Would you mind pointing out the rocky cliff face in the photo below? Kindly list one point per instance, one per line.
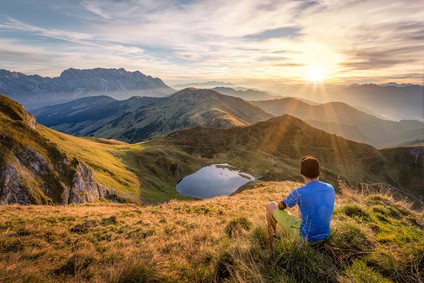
(34, 170)
(10, 187)
(84, 188)
(31, 179)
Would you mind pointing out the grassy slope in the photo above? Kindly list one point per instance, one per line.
(137, 171)
(374, 238)
(150, 170)
(109, 169)
(140, 171)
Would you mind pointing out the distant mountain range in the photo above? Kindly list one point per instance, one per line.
(34, 91)
(391, 101)
(247, 94)
(208, 84)
(138, 118)
(344, 120)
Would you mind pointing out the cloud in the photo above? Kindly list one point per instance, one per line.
(275, 33)
(91, 7)
(231, 40)
(14, 25)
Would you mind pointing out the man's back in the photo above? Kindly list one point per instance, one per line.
(316, 204)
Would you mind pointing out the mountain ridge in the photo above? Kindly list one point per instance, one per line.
(34, 91)
(374, 130)
(392, 102)
(246, 94)
(186, 108)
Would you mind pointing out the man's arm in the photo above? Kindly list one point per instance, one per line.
(291, 200)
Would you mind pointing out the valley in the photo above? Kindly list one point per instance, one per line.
(149, 171)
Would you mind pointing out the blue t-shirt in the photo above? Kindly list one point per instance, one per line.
(316, 204)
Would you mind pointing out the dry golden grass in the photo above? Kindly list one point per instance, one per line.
(179, 235)
(191, 241)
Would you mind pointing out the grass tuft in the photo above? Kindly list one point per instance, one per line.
(304, 264)
(224, 265)
(237, 226)
(84, 227)
(355, 211)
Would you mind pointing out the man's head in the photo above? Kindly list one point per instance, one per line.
(309, 167)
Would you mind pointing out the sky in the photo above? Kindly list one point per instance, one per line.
(244, 42)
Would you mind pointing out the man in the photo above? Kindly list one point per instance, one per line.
(316, 203)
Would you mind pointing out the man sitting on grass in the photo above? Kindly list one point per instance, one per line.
(316, 202)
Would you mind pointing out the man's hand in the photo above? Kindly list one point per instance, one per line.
(281, 205)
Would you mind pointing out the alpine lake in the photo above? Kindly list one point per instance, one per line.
(212, 181)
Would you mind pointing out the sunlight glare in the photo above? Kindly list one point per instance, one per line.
(314, 73)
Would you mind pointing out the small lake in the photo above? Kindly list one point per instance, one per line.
(214, 180)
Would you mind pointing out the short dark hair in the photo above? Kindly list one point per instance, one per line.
(309, 167)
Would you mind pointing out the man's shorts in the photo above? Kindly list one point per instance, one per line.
(287, 221)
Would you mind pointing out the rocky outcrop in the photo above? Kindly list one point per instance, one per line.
(85, 189)
(11, 189)
(34, 170)
(32, 179)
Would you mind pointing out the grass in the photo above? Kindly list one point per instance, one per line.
(104, 158)
(220, 239)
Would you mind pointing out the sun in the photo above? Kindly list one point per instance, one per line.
(314, 73)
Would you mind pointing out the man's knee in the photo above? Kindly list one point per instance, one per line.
(271, 207)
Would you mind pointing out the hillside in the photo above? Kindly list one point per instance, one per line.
(374, 239)
(34, 91)
(85, 115)
(370, 129)
(271, 150)
(36, 166)
(149, 171)
(186, 108)
(347, 131)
